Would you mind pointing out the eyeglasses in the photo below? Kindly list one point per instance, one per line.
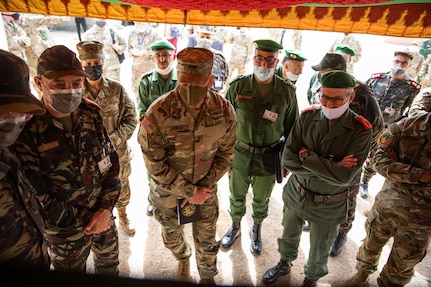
(334, 101)
(164, 56)
(269, 60)
(401, 63)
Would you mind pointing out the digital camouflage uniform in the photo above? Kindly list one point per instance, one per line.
(119, 117)
(402, 209)
(181, 153)
(21, 239)
(415, 68)
(394, 98)
(111, 66)
(139, 48)
(354, 44)
(17, 39)
(255, 128)
(64, 170)
(422, 102)
(320, 174)
(424, 75)
(241, 53)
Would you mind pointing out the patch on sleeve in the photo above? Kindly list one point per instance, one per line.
(365, 123)
(386, 139)
(377, 75)
(148, 126)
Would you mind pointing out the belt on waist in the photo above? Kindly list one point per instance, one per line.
(255, 149)
(318, 198)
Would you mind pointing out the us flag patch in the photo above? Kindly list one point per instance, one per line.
(148, 125)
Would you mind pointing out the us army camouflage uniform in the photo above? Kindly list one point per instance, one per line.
(64, 170)
(422, 103)
(402, 209)
(415, 68)
(17, 39)
(354, 44)
(180, 154)
(394, 98)
(425, 73)
(21, 239)
(242, 52)
(139, 48)
(119, 117)
(111, 66)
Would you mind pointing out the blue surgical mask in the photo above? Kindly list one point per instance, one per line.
(397, 71)
(263, 73)
(94, 72)
(100, 24)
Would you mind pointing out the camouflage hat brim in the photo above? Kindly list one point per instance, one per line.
(58, 74)
(24, 104)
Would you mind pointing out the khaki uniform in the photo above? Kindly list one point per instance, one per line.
(425, 73)
(241, 53)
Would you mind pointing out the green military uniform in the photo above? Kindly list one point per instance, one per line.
(290, 55)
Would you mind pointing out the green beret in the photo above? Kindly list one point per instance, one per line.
(295, 55)
(162, 44)
(338, 79)
(267, 45)
(345, 49)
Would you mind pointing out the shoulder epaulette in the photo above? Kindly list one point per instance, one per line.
(292, 85)
(364, 122)
(309, 109)
(147, 74)
(377, 75)
(238, 78)
(414, 84)
(91, 103)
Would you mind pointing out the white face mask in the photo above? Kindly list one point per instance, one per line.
(335, 113)
(10, 129)
(166, 70)
(292, 76)
(204, 43)
(263, 73)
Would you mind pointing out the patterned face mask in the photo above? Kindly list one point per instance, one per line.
(192, 95)
(65, 101)
(94, 72)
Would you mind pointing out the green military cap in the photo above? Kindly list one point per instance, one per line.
(345, 49)
(162, 44)
(90, 50)
(267, 45)
(338, 79)
(295, 55)
(405, 53)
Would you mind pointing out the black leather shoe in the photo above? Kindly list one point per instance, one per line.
(271, 275)
(256, 242)
(150, 209)
(308, 283)
(231, 235)
(338, 244)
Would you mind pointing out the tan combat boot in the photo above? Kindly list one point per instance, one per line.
(207, 281)
(183, 270)
(124, 221)
(357, 280)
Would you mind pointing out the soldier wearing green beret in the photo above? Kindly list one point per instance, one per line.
(353, 44)
(266, 108)
(324, 152)
(291, 66)
(158, 81)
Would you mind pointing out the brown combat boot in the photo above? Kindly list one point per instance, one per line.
(183, 270)
(357, 280)
(207, 281)
(124, 221)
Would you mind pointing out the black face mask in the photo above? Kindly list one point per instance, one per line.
(94, 72)
(15, 16)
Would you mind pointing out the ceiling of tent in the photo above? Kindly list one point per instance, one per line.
(402, 18)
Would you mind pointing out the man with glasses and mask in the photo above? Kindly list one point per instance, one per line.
(21, 238)
(266, 108)
(16, 37)
(187, 137)
(324, 152)
(395, 92)
(119, 117)
(157, 82)
(68, 157)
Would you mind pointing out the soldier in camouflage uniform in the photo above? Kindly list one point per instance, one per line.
(422, 102)
(402, 208)
(417, 61)
(101, 33)
(187, 138)
(139, 47)
(354, 44)
(17, 39)
(242, 50)
(424, 75)
(68, 157)
(394, 92)
(118, 113)
(291, 66)
(158, 82)
(21, 238)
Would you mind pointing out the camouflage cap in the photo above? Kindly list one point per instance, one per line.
(405, 53)
(338, 79)
(331, 60)
(162, 44)
(194, 64)
(267, 45)
(90, 50)
(295, 55)
(15, 93)
(345, 49)
(206, 29)
(59, 61)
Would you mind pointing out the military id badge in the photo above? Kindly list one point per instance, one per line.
(104, 164)
(188, 213)
(390, 110)
(270, 115)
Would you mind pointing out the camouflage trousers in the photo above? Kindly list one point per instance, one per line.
(125, 171)
(353, 192)
(140, 66)
(204, 233)
(367, 169)
(389, 217)
(69, 251)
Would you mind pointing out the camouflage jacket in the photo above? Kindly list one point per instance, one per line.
(139, 43)
(67, 169)
(422, 103)
(242, 47)
(394, 96)
(403, 154)
(117, 109)
(182, 152)
(425, 73)
(17, 39)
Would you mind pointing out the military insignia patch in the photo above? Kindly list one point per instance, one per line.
(386, 139)
(377, 75)
(148, 125)
(365, 123)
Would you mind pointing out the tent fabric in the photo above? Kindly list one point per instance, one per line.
(390, 18)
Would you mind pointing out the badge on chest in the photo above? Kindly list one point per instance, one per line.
(269, 115)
